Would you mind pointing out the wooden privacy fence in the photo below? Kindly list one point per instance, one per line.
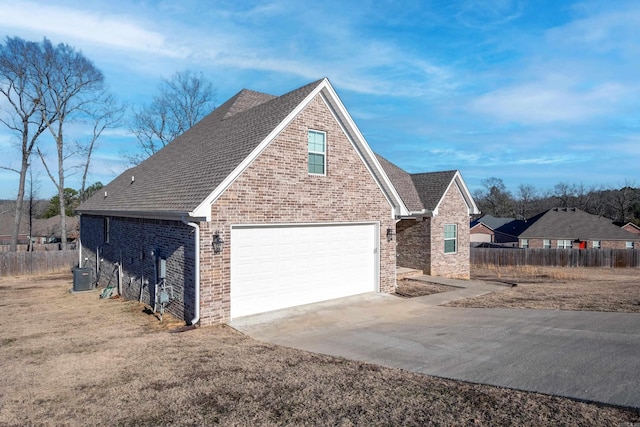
(33, 263)
(555, 257)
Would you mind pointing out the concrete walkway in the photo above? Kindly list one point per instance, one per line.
(582, 355)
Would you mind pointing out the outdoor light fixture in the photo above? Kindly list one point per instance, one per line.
(390, 234)
(217, 243)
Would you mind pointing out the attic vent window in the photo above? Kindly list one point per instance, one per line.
(317, 146)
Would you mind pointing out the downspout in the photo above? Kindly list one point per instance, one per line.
(196, 317)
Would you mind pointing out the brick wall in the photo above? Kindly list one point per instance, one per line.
(130, 243)
(452, 210)
(414, 244)
(421, 242)
(604, 244)
(277, 188)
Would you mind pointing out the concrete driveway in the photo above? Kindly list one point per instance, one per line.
(583, 355)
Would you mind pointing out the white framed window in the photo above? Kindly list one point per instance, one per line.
(317, 148)
(107, 228)
(546, 243)
(629, 245)
(596, 244)
(564, 244)
(450, 238)
(524, 243)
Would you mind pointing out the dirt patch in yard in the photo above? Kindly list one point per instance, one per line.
(409, 288)
(585, 289)
(76, 359)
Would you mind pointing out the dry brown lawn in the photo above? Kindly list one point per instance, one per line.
(74, 359)
(586, 289)
(409, 288)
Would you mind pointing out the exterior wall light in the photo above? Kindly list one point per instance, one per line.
(217, 243)
(390, 234)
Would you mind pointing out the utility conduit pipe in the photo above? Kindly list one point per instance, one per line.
(196, 317)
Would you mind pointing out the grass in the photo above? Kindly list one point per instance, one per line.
(409, 288)
(74, 359)
(586, 289)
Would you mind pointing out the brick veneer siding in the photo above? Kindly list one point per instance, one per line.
(421, 242)
(277, 188)
(452, 210)
(604, 244)
(130, 243)
(414, 244)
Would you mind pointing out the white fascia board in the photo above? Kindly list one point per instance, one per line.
(472, 209)
(334, 103)
(204, 208)
(462, 186)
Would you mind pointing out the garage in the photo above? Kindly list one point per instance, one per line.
(280, 266)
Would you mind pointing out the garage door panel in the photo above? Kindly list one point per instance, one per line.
(279, 267)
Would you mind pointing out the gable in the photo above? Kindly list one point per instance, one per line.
(187, 175)
(277, 186)
(339, 115)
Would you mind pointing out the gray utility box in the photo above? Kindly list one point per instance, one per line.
(82, 280)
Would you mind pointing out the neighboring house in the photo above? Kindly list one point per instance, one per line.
(6, 227)
(266, 203)
(489, 229)
(573, 228)
(434, 237)
(630, 227)
(48, 230)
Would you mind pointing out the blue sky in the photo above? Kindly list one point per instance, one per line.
(533, 92)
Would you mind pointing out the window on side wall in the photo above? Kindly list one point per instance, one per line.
(107, 228)
(564, 244)
(317, 147)
(629, 245)
(450, 238)
(524, 243)
(596, 244)
(546, 243)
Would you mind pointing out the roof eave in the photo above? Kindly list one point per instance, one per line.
(162, 215)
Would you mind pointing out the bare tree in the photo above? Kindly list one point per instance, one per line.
(495, 199)
(622, 201)
(527, 194)
(69, 84)
(182, 101)
(106, 113)
(26, 114)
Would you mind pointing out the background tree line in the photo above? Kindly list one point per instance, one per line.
(618, 204)
(48, 89)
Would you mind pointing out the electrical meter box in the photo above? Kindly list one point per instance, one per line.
(162, 268)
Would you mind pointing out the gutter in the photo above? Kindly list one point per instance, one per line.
(196, 317)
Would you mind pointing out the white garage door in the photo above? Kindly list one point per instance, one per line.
(276, 267)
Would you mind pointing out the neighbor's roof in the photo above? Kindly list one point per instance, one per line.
(573, 223)
(491, 221)
(187, 174)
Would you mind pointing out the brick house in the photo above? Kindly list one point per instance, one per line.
(434, 237)
(266, 203)
(563, 228)
(490, 229)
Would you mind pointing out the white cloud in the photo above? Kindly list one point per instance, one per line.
(534, 103)
(115, 31)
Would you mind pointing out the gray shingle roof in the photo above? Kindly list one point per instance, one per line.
(431, 186)
(572, 223)
(403, 184)
(418, 191)
(181, 175)
(492, 221)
